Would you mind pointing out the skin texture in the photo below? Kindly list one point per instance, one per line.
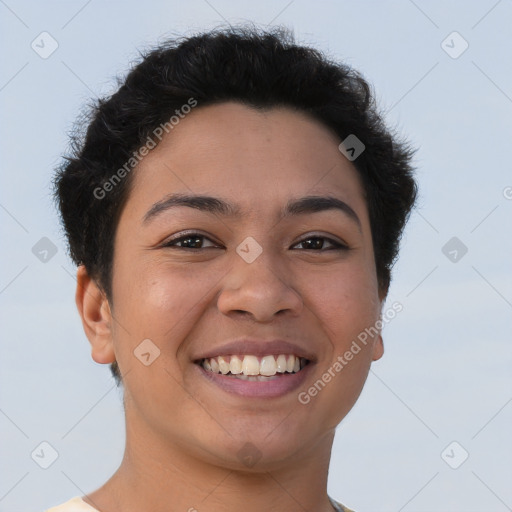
(183, 433)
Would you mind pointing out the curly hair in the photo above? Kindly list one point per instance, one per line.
(259, 68)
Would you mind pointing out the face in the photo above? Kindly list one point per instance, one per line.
(256, 276)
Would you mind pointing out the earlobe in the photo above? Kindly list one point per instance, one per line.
(96, 316)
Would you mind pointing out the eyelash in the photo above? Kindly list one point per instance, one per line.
(171, 243)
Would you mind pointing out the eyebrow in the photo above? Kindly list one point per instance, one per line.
(216, 206)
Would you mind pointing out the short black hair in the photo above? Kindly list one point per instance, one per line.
(258, 68)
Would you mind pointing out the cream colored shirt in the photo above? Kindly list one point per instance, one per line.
(77, 504)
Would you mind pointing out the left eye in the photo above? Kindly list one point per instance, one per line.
(318, 243)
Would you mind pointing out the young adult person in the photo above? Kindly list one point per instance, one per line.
(234, 210)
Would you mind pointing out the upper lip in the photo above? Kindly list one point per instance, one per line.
(257, 348)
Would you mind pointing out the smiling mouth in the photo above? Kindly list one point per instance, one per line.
(254, 368)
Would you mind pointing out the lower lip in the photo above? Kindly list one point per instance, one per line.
(284, 384)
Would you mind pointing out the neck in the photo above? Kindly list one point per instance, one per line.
(159, 476)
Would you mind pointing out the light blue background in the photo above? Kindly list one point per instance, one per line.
(446, 372)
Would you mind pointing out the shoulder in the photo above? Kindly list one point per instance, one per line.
(76, 504)
(339, 507)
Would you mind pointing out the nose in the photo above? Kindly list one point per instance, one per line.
(261, 289)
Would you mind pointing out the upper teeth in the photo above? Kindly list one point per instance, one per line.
(252, 365)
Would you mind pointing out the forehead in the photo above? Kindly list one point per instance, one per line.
(254, 156)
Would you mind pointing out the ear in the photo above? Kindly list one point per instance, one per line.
(378, 348)
(378, 344)
(96, 316)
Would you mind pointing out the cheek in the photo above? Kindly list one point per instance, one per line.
(346, 308)
(151, 295)
(155, 302)
(345, 302)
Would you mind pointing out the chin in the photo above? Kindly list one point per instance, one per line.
(258, 449)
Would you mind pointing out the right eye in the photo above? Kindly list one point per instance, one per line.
(189, 241)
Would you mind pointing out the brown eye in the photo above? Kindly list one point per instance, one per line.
(318, 243)
(190, 241)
